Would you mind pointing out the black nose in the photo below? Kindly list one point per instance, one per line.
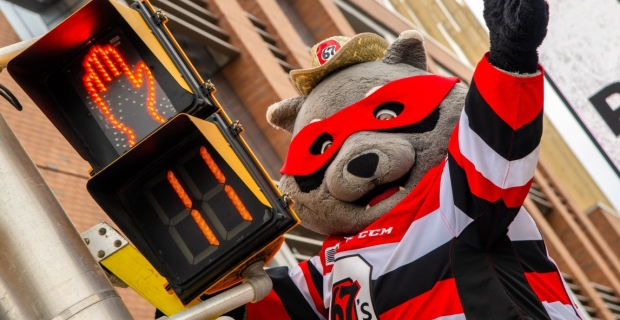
(364, 166)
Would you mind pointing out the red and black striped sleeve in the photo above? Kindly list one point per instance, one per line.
(492, 153)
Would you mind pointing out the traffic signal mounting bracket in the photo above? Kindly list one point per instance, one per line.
(123, 261)
(156, 20)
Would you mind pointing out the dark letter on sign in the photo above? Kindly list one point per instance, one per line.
(611, 117)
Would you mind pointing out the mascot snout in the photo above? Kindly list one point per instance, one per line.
(366, 161)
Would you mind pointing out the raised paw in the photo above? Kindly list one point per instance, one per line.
(516, 30)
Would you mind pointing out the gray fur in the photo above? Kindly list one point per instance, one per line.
(408, 49)
(282, 114)
(329, 209)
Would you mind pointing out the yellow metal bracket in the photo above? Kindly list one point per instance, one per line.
(126, 263)
(127, 267)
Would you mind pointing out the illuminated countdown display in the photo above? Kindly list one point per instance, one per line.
(176, 202)
(120, 91)
(199, 208)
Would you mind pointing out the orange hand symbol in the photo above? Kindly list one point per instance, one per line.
(101, 65)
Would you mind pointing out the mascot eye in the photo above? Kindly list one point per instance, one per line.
(321, 144)
(388, 110)
(326, 146)
(385, 114)
(427, 124)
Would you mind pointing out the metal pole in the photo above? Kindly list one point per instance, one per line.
(9, 52)
(255, 287)
(46, 271)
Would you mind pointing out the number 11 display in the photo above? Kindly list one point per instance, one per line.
(196, 203)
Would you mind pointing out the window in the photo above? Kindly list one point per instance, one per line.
(25, 23)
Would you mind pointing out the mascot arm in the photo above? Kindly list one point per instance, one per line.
(492, 154)
(494, 149)
(297, 294)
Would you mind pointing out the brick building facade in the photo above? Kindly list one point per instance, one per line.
(247, 47)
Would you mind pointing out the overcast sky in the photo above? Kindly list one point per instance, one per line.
(476, 6)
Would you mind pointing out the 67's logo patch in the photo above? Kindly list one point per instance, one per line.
(351, 298)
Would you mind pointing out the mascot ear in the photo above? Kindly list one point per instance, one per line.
(282, 115)
(409, 49)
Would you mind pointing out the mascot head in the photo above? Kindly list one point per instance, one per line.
(370, 123)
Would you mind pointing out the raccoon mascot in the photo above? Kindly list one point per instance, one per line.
(418, 181)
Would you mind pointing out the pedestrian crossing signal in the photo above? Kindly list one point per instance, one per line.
(169, 167)
(108, 76)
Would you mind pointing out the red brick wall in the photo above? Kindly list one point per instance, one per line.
(609, 227)
(278, 26)
(255, 75)
(323, 18)
(580, 253)
(63, 169)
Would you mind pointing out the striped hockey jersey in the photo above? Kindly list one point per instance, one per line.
(459, 246)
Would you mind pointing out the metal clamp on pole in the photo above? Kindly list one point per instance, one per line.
(255, 287)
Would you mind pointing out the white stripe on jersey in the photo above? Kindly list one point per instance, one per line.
(559, 311)
(316, 262)
(327, 281)
(416, 242)
(523, 227)
(460, 316)
(503, 173)
(297, 275)
(456, 219)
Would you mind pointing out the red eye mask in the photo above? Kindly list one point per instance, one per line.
(417, 96)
